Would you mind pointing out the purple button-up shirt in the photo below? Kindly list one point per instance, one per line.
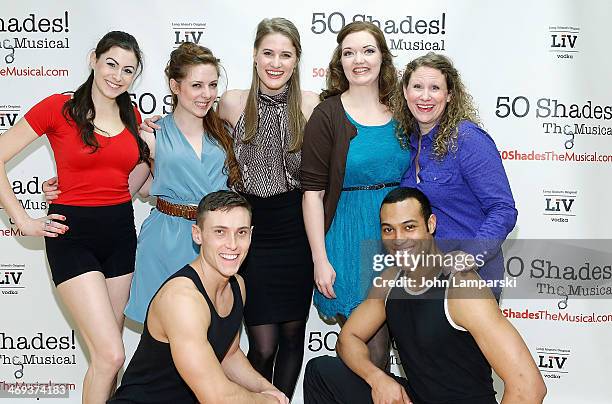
(469, 193)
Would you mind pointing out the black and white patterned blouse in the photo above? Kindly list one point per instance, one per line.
(266, 165)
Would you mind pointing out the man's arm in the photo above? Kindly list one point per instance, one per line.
(363, 323)
(476, 310)
(238, 369)
(184, 318)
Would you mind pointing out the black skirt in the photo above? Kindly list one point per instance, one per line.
(278, 271)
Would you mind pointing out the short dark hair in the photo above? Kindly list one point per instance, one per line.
(402, 193)
(221, 200)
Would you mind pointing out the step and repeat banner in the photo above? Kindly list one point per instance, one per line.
(539, 73)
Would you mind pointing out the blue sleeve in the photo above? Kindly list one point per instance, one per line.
(483, 171)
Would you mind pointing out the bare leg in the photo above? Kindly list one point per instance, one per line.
(89, 302)
(119, 292)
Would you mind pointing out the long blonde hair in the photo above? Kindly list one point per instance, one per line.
(459, 108)
(294, 103)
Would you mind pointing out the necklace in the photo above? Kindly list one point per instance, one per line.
(100, 130)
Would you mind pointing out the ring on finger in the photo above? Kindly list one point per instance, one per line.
(47, 222)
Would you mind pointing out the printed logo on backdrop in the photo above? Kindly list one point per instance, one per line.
(563, 41)
(553, 362)
(21, 356)
(11, 278)
(559, 205)
(324, 343)
(29, 193)
(148, 103)
(8, 116)
(559, 269)
(406, 33)
(567, 120)
(32, 32)
(187, 32)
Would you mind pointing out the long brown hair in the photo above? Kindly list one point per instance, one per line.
(181, 60)
(81, 110)
(337, 82)
(460, 107)
(294, 103)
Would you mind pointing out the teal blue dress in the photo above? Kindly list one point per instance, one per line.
(374, 157)
(164, 243)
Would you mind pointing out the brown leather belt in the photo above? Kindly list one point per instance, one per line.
(189, 212)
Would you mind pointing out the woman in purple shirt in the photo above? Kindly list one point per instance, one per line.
(455, 162)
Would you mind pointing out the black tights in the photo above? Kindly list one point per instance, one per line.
(277, 351)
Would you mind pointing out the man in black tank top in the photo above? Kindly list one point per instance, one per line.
(448, 335)
(189, 350)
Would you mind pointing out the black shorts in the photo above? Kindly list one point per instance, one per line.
(99, 238)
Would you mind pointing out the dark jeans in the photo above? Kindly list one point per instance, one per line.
(328, 380)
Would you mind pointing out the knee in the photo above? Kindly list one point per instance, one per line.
(109, 359)
(262, 352)
(318, 368)
(293, 344)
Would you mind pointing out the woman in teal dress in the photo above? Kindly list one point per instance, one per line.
(351, 158)
(192, 156)
(374, 157)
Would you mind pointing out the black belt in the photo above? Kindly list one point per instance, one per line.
(372, 187)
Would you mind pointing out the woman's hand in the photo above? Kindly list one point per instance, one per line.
(51, 189)
(325, 276)
(149, 124)
(45, 226)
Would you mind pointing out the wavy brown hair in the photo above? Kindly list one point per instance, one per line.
(297, 121)
(181, 60)
(460, 107)
(336, 81)
(81, 110)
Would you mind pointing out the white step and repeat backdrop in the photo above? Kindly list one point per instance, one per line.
(539, 72)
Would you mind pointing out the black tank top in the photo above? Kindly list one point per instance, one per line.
(442, 364)
(151, 376)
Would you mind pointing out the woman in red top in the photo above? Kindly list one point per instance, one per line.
(89, 233)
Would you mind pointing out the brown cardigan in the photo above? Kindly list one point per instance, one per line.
(327, 136)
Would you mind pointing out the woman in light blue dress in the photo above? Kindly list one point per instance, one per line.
(190, 160)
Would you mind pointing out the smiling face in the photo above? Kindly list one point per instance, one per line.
(114, 72)
(403, 227)
(275, 59)
(427, 95)
(197, 91)
(224, 237)
(361, 59)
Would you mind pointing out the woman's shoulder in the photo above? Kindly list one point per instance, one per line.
(234, 98)
(467, 126)
(56, 100)
(330, 105)
(231, 105)
(310, 100)
(471, 134)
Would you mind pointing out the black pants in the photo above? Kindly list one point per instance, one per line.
(328, 380)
